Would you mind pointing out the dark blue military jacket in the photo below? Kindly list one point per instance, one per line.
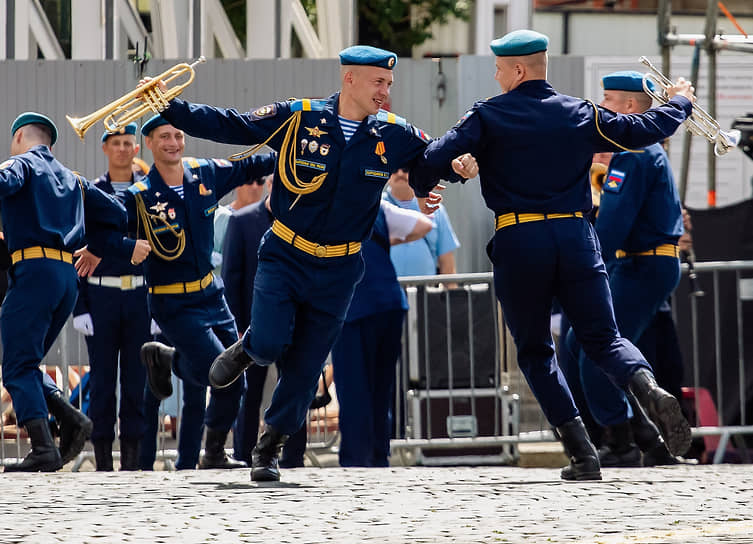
(640, 208)
(534, 146)
(44, 204)
(345, 205)
(205, 182)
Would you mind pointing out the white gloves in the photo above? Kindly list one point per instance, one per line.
(154, 329)
(83, 324)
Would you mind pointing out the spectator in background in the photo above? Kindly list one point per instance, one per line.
(432, 254)
(366, 352)
(244, 233)
(245, 195)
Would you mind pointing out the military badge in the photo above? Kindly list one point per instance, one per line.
(323, 121)
(380, 150)
(162, 215)
(304, 143)
(265, 111)
(313, 146)
(203, 191)
(323, 150)
(171, 213)
(420, 134)
(159, 207)
(391, 62)
(615, 180)
(315, 132)
(463, 119)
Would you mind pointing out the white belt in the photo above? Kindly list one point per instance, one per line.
(124, 283)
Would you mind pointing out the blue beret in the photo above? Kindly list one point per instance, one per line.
(519, 43)
(151, 124)
(130, 128)
(34, 118)
(365, 55)
(626, 80)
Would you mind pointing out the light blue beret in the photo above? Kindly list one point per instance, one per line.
(34, 118)
(365, 55)
(519, 43)
(626, 80)
(130, 128)
(152, 123)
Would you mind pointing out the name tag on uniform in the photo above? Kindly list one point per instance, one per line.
(165, 228)
(210, 210)
(376, 174)
(311, 164)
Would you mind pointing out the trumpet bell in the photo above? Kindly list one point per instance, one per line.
(726, 141)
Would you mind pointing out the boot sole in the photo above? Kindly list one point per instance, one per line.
(150, 359)
(672, 424)
(583, 476)
(79, 441)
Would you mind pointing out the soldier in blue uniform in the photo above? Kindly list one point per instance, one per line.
(335, 156)
(46, 210)
(639, 224)
(174, 207)
(111, 312)
(543, 246)
(366, 352)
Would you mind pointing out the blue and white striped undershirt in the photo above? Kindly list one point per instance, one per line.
(178, 189)
(120, 186)
(349, 127)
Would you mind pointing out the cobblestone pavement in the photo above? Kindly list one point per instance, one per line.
(413, 505)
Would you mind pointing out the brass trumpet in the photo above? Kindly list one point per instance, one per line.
(140, 101)
(700, 122)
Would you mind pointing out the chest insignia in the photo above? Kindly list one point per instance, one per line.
(323, 150)
(313, 146)
(203, 191)
(373, 131)
(159, 207)
(315, 132)
(323, 121)
(171, 213)
(304, 143)
(380, 150)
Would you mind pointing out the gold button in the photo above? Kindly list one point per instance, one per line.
(320, 251)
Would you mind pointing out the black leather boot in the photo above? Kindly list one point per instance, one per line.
(129, 454)
(663, 409)
(265, 455)
(103, 455)
(619, 449)
(158, 360)
(75, 427)
(214, 452)
(44, 455)
(584, 460)
(229, 366)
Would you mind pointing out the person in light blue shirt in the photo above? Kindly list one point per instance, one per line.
(433, 254)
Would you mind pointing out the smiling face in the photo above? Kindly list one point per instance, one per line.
(166, 144)
(120, 150)
(367, 88)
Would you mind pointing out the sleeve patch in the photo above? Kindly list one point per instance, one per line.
(463, 119)
(421, 135)
(265, 111)
(615, 181)
(7, 164)
(224, 163)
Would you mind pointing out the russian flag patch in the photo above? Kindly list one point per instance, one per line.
(614, 182)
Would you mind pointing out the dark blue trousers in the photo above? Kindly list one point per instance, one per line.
(364, 358)
(537, 261)
(121, 326)
(297, 312)
(639, 285)
(246, 426)
(200, 326)
(40, 298)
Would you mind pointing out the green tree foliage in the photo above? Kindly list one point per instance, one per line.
(388, 23)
